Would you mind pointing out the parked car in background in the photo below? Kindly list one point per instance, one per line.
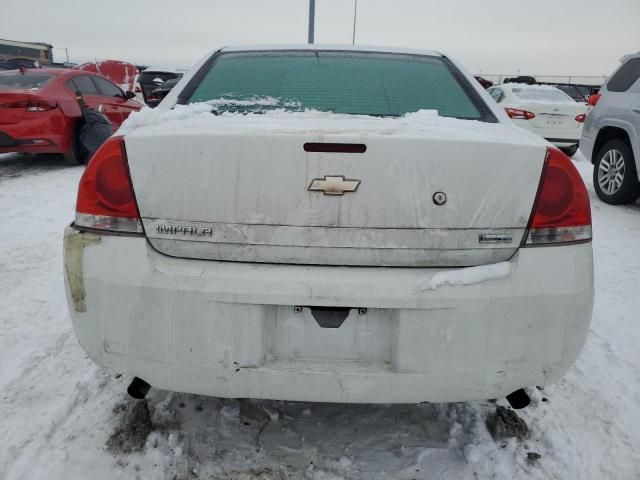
(156, 96)
(16, 63)
(580, 93)
(611, 135)
(524, 79)
(121, 73)
(40, 114)
(152, 78)
(544, 110)
(297, 254)
(483, 81)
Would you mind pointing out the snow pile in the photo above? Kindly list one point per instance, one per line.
(251, 101)
(468, 276)
(541, 94)
(150, 117)
(279, 120)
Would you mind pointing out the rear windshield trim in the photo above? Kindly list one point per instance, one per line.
(486, 115)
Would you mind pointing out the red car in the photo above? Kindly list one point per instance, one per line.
(40, 114)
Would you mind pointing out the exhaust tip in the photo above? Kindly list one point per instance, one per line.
(138, 388)
(518, 399)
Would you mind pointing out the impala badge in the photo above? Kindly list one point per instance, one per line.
(333, 185)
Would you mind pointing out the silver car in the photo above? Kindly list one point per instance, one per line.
(611, 134)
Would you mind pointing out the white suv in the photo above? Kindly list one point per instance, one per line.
(611, 134)
(298, 223)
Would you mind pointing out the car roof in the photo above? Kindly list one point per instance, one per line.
(331, 47)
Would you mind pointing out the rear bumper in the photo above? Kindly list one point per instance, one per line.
(229, 329)
(563, 142)
(6, 140)
(50, 133)
(560, 137)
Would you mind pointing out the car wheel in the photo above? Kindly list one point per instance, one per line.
(570, 151)
(614, 174)
(75, 155)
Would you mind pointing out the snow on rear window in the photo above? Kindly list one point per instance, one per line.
(542, 93)
(17, 80)
(354, 83)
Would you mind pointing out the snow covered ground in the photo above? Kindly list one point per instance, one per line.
(63, 418)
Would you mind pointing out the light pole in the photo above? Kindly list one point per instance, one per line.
(312, 17)
(355, 15)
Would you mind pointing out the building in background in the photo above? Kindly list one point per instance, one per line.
(34, 51)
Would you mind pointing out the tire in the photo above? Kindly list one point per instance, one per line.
(75, 155)
(570, 151)
(615, 178)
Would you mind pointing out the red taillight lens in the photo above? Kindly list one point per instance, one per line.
(561, 213)
(32, 105)
(41, 105)
(580, 118)
(520, 114)
(593, 99)
(105, 196)
(19, 104)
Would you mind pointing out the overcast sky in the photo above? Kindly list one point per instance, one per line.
(564, 37)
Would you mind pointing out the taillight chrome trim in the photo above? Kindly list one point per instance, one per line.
(114, 224)
(549, 237)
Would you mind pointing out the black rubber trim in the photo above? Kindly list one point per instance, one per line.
(474, 96)
(563, 140)
(6, 140)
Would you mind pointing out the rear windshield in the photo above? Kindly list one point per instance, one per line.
(551, 95)
(15, 79)
(340, 82)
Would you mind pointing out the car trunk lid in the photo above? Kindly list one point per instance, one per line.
(249, 190)
(556, 115)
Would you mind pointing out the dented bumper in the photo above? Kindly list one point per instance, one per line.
(232, 329)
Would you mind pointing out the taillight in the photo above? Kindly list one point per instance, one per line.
(580, 118)
(561, 212)
(20, 104)
(517, 113)
(32, 105)
(105, 196)
(593, 99)
(41, 105)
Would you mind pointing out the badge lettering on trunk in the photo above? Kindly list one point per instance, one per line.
(186, 230)
(333, 185)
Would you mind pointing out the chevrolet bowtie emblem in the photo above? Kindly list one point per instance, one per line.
(333, 185)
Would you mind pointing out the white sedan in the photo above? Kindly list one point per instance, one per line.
(332, 224)
(545, 110)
